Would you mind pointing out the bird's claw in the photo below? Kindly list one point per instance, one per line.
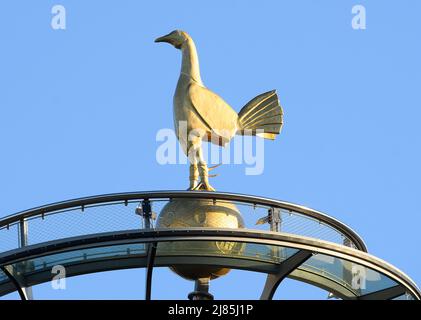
(207, 187)
(201, 186)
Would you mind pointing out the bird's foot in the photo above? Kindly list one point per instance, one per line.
(202, 171)
(207, 187)
(193, 184)
(202, 187)
(204, 178)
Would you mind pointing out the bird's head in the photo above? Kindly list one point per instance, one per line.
(177, 38)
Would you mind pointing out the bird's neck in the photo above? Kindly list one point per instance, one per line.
(190, 61)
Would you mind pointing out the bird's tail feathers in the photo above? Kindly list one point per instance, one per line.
(261, 116)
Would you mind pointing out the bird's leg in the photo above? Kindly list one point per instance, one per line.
(194, 176)
(194, 170)
(198, 165)
(204, 171)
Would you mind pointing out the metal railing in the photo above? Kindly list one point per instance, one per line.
(116, 212)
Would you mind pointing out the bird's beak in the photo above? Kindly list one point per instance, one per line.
(166, 38)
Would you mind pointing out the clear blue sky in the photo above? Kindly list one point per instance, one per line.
(80, 108)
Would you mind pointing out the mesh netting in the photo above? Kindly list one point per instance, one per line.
(120, 216)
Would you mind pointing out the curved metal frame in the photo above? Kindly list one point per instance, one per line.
(149, 269)
(306, 246)
(124, 197)
(204, 234)
(16, 284)
(285, 268)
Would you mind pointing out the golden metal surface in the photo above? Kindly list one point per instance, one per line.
(183, 213)
(208, 117)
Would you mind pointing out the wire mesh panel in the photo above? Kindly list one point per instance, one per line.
(296, 223)
(89, 220)
(258, 217)
(192, 209)
(9, 237)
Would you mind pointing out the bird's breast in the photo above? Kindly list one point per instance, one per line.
(183, 111)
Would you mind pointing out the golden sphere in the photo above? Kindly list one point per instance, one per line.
(186, 213)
